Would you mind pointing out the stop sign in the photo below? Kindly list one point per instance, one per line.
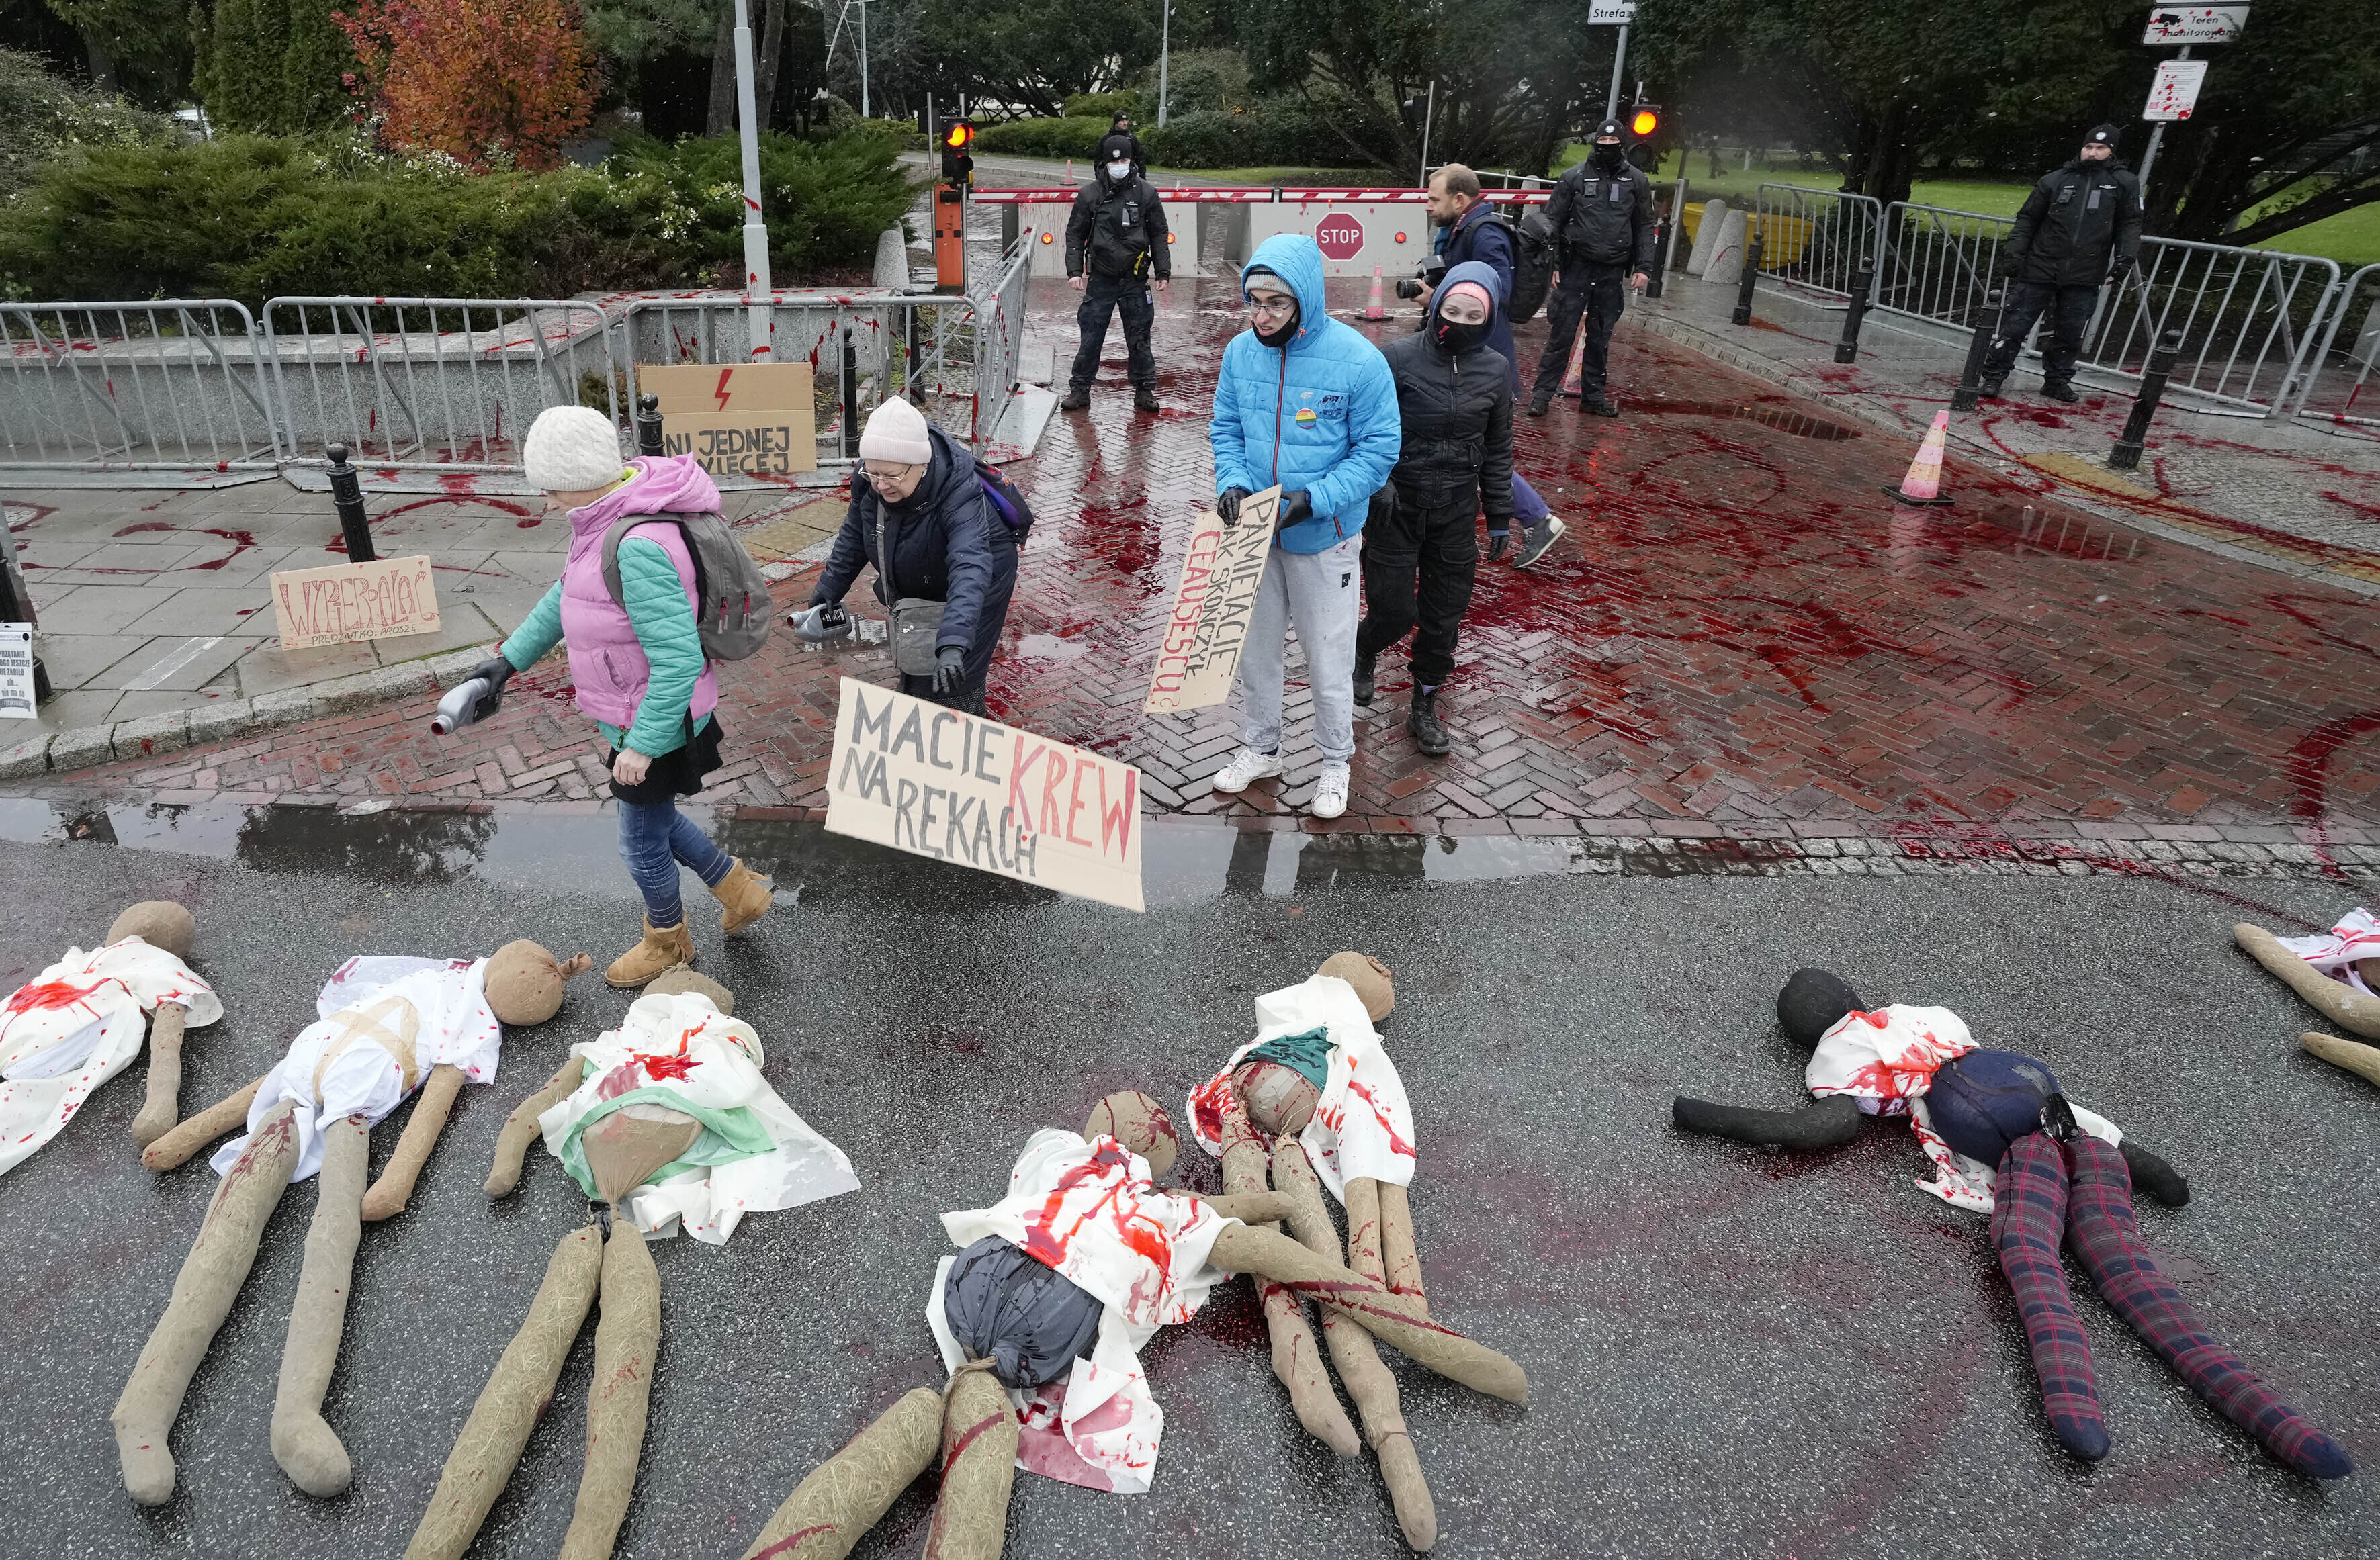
(1338, 235)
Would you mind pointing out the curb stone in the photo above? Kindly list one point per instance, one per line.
(87, 747)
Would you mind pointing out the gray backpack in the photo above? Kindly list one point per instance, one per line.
(731, 599)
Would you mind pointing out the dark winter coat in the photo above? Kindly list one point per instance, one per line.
(1118, 226)
(945, 546)
(1479, 235)
(1455, 411)
(2077, 220)
(1603, 216)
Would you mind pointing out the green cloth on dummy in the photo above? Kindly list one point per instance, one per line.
(1307, 1053)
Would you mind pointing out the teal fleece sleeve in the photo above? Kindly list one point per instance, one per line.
(664, 619)
(539, 632)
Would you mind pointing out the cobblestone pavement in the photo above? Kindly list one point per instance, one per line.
(1743, 639)
(2296, 497)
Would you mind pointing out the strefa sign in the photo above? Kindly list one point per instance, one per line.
(935, 782)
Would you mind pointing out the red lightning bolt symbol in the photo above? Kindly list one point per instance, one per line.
(724, 374)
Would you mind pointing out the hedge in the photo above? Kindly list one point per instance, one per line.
(1264, 136)
(1075, 137)
(250, 217)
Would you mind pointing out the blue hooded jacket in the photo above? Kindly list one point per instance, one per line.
(1319, 413)
(1479, 238)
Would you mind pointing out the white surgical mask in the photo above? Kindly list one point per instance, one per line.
(1118, 170)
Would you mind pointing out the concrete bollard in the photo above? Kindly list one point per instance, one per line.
(1706, 236)
(1724, 266)
(2126, 455)
(892, 260)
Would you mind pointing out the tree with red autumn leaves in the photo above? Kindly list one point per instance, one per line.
(488, 83)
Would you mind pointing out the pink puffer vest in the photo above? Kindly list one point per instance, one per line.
(606, 662)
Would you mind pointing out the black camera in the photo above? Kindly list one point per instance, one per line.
(1409, 288)
(1433, 271)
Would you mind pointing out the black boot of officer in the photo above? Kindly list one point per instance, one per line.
(2078, 230)
(1602, 216)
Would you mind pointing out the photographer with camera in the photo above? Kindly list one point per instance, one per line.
(1115, 240)
(1602, 217)
(1468, 229)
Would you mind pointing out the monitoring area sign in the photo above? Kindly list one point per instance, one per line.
(1611, 13)
(2193, 26)
(2175, 93)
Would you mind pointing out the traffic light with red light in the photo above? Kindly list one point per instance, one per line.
(957, 167)
(1644, 121)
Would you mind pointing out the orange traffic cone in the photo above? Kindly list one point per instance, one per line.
(1375, 309)
(1070, 170)
(1923, 485)
(1575, 377)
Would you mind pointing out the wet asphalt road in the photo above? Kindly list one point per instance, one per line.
(1731, 1353)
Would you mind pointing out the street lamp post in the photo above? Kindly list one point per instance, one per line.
(761, 317)
(1164, 59)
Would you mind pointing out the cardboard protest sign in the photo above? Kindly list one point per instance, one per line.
(1210, 622)
(738, 419)
(934, 782)
(347, 603)
(17, 671)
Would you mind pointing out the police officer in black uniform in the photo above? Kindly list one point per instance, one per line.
(2080, 228)
(1115, 242)
(1602, 216)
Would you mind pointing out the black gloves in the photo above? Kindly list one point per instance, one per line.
(1227, 505)
(1496, 542)
(821, 620)
(950, 669)
(498, 671)
(2123, 264)
(1294, 506)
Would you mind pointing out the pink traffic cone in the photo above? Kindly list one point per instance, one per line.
(1374, 308)
(1070, 170)
(1575, 377)
(1924, 483)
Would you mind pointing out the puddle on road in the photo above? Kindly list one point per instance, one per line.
(525, 845)
(528, 846)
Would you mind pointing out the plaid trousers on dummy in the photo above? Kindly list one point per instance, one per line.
(2084, 1190)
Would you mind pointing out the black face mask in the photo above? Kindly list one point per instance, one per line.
(1460, 338)
(1606, 156)
(1280, 334)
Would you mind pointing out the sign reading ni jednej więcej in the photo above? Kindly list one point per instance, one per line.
(1208, 626)
(16, 670)
(935, 782)
(737, 419)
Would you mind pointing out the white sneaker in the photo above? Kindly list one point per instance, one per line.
(1330, 791)
(1246, 767)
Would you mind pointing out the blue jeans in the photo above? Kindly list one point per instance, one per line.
(1527, 507)
(655, 839)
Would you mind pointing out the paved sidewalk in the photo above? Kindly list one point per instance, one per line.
(1743, 638)
(157, 606)
(2301, 499)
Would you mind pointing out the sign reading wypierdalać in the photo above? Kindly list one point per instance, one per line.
(1210, 622)
(348, 602)
(737, 419)
(960, 789)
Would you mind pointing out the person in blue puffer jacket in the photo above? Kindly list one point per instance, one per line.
(1305, 402)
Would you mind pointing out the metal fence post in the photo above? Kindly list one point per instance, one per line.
(2126, 455)
(347, 493)
(850, 398)
(1970, 392)
(649, 424)
(912, 381)
(1863, 284)
(1751, 277)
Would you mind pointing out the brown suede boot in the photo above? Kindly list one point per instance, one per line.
(663, 948)
(744, 896)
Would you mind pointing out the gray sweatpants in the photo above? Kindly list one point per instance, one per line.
(1322, 594)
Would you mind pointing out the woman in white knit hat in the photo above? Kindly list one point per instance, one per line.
(917, 490)
(638, 667)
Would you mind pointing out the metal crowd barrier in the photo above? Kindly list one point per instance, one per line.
(445, 385)
(172, 384)
(1815, 239)
(2250, 319)
(449, 386)
(2338, 388)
